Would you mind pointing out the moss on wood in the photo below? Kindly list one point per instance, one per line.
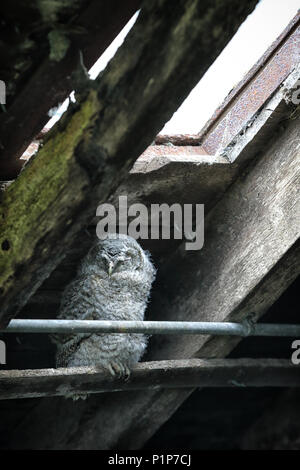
(30, 206)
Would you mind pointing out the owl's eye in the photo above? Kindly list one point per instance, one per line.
(130, 254)
(104, 260)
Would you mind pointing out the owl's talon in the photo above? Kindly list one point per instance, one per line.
(127, 373)
(76, 396)
(80, 396)
(117, 368)
(123, 370)
(111, 370)
(120, 369)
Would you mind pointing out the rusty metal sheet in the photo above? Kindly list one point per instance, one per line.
(156, 151)
(253, 91)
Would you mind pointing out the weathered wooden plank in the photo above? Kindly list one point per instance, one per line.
(151, 376)
(87, 155)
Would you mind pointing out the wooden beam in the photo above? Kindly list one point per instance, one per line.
(150, 376)
(86, 156)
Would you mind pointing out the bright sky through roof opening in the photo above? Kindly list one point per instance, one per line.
(253, 38)
(97, 67)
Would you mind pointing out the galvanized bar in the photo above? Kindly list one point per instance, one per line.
(246, 328)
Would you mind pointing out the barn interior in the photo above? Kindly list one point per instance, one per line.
(243, 165)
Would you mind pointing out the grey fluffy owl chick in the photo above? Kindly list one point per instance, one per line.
(113, 282)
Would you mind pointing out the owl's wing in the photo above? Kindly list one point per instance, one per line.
(76, 304)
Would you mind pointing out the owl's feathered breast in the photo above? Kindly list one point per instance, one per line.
(95, 297)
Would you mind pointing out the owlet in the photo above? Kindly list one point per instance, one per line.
(113, 282)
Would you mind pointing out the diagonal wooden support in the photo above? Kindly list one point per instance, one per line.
(88, 154)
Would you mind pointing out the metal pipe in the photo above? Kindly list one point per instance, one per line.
(247, 328)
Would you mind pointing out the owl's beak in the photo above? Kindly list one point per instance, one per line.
(111, 266)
